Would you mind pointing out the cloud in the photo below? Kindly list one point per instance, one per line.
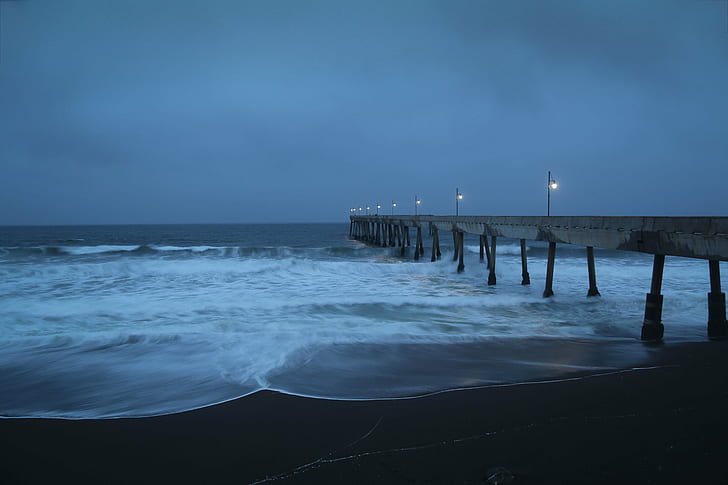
(334, 102)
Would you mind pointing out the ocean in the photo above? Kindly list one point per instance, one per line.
(121, 321)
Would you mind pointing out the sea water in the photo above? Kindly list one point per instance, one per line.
(116, 321)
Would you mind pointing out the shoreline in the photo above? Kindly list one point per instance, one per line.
(662, 424)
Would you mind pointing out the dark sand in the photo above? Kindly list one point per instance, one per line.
(664, 425)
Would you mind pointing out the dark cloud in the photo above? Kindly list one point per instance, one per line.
(182, 111)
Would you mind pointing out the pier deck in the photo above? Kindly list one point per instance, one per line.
(690, 237)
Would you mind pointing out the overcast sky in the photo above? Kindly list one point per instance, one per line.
(155, 111)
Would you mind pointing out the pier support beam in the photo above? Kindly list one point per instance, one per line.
(487, 250)
(717, 325)
(491, 259)
(593, 291)
(455, 245)
(406, 234)
(548, 290)
(435, 245)
(461, 263)
(525, 277)
(402, 230)
(418, 243)
(419, 236)
(652, 327)
(484, 249)
(436, 254)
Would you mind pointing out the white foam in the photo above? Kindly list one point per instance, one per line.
(194, 249)
(81, 250)
(242, 319)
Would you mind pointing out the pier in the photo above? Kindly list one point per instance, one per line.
(688, 237)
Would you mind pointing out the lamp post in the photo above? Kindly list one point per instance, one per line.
(458, 198)
(417, 203)
(368, 207)
(379, 206)
(551, 185)
(394, 204)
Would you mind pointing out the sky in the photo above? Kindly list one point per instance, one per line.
(234, 111)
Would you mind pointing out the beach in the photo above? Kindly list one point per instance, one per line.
(664, 423)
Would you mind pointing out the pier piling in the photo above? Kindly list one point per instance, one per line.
(433, 258)
(652, 327)
(593, 291)
(491, 259)
(717, 326)
(402, 230)
(487, 250)
(460, 242)
(436, 254)
(548, 290)
(419, 237)
(525, 277)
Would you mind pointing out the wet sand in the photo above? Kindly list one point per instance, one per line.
(667, 424)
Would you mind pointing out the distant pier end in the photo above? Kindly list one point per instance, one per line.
(687, 237)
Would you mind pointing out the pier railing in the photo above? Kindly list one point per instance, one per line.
(689, 237)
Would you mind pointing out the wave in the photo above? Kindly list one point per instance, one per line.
(337, 252)
(133, 376)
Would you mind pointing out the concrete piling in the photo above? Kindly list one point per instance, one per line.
(419, 251)
(461, 263)
(652, 327)
(486, 247)
(436, 254)
(717, 325)
(491, 259)
(455, 245)
(403, 230)
(593, 291)
(548, 290)
(525, 277)
(433, 258)
(482, 252)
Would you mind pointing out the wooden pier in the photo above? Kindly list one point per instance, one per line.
(688, 237)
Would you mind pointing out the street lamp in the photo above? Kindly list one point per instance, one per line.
(417, 203)
(394, 204)
(458, 198)
(379, 206)
(368, 207)
(551, 185)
